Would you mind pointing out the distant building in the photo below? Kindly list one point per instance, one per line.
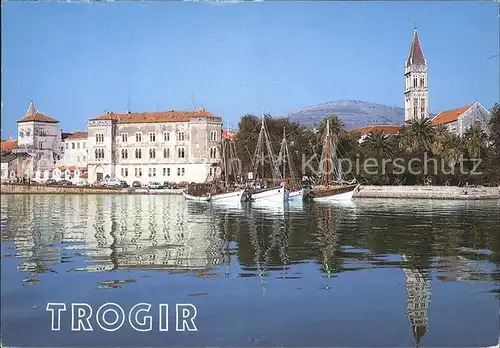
(416, 92)
(387, 129)
(39, 142)
(171, 146)
(459, 120)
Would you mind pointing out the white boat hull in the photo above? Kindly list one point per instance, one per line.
(341, 197)
(296, 196)
(229, 197)
(275, 195)
(196, 198)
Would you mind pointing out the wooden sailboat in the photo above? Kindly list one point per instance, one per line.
(219, 189)
(333, 186)
(275, 192)
(295, 192)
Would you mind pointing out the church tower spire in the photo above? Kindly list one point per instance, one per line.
(416, 92)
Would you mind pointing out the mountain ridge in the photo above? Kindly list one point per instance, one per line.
(352, 113)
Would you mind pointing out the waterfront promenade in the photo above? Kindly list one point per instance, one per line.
(403, 192)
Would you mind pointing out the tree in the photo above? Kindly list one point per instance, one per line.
(417, 135)
(475, 141)
(380, 143)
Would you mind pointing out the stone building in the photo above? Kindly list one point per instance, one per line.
(459, 120)
(416, 93)
(75, 150)
(39, 136)
(386, 129)
(172, 146)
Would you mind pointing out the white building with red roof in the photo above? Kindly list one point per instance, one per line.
(39, 138)
(459, 120)
(174, 146)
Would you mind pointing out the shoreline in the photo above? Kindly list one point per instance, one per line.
(388, 192)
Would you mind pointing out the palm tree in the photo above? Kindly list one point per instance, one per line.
(440, 135)
(380, 143)
(452, 149)
(417, 135)
(475, 141)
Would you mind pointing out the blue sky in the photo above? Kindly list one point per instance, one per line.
(76, 60)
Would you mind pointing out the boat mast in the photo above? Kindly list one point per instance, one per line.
(327, 156)
(224, 162)
(262, 154)
(283, 157)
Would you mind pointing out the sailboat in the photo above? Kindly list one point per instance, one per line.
(296, 193)
(219, 189)
(333, 186)
(276, 193)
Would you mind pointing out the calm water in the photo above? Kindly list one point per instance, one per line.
(374, 273)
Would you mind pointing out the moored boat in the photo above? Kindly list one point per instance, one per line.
(333, 186)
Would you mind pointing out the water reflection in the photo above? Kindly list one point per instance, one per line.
(425, 243)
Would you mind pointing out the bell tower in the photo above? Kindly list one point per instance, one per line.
(416, 92)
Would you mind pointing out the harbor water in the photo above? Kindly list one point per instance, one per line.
(370, 273)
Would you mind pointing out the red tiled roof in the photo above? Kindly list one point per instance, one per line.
(78, 135)
(8, 145)
(228, 134)
(64, 136)
(39, 117)
(416, 56)
(450, 115)
(387, 129)
(155, 117)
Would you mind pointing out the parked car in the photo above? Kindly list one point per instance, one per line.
(50, 182)
(155, 185)
(136, 184)
(81, 182)
(112, 183)
(123, 184)
(64, 183)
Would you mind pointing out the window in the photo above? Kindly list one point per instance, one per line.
(126, 172)
(122, 171)
(84, 145)
(183, 171)
(137, 172)
(168, 171)
(84, 158)
(152, 137)
(180, 136)
(99, 138)
(138, 137)
(414, 82)
(78, 158)
(166, 153)
(140, 171)
(164, 171)
(124, 137)
(415, 107)
(124, 153)
(67, 146)
(180, 152)
(154, 171)
(422, 107)
(178, 171)
(40, 145)
(213, 136)
(421, 82)
(166, 136)
(138, 153)
(78, 145)
(73, 146)
(213, 152)
(99, 154)
(152, 153)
